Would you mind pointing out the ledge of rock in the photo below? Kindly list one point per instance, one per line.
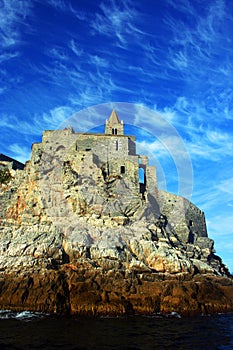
(85, 290)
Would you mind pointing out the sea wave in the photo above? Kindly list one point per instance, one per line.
(22, 315)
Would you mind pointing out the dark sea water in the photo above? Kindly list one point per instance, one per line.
(36, 331)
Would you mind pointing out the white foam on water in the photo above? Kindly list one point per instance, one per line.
(23, 315)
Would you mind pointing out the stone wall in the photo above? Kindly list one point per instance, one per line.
(183, 216)
(113, 154)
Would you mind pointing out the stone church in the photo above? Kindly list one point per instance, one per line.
(104, 178)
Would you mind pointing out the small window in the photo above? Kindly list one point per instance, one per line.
(122, 169)
(88, 149)
(116, 145)
(114, 131)
(141, 175)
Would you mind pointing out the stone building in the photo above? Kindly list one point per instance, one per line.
(116, 154)
(103, 173)
(113, 152)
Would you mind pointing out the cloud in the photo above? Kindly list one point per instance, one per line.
(12, 15)
(226, 185)
(180, 60)
(6, 56)
(211, 145)
(198, 49)
(194, 121)
(22, 126)
(98, 61)
(205, 23)
(65, 6)
(55, 117)
(75, 48)
(116, 20)
(47, 121)
(20, 152)
(58, 54)
(58, 4)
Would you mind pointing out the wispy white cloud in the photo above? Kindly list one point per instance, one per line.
(6, 56)
(38, 123)
(66, 7)
(58, 54)
(12, 15)
(20, 152)
(59, 5)
(22, 126)
(75, 48)
(55, 118)
(116, 20)
(98, 61)
(204, 28)
(226, 185)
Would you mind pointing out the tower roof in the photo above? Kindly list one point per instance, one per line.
(114, 119)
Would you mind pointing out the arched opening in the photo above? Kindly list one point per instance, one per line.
(116, 145)
(114, 131)
(141, 175)
(142, 181)
(122, 169)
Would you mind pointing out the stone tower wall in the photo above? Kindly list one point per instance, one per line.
(187, 219)
(114, 128)
(106, 147)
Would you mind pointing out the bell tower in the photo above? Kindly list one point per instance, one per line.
(113, 125)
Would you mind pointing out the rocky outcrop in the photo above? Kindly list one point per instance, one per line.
(74, 239)
(86, 290)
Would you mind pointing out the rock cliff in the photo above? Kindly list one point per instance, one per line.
(76, 238)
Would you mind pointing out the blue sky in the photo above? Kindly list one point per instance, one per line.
(174, 57)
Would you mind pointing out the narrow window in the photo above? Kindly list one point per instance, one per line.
(141, 175)
(116, 145)
(113, 131)
(122, 169)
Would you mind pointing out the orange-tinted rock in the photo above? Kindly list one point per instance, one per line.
(70, 291)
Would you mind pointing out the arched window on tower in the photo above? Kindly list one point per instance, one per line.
(114, 131)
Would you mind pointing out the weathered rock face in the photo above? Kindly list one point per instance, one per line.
(74, 238)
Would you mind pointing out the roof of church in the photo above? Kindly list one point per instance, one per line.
(114, 119)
